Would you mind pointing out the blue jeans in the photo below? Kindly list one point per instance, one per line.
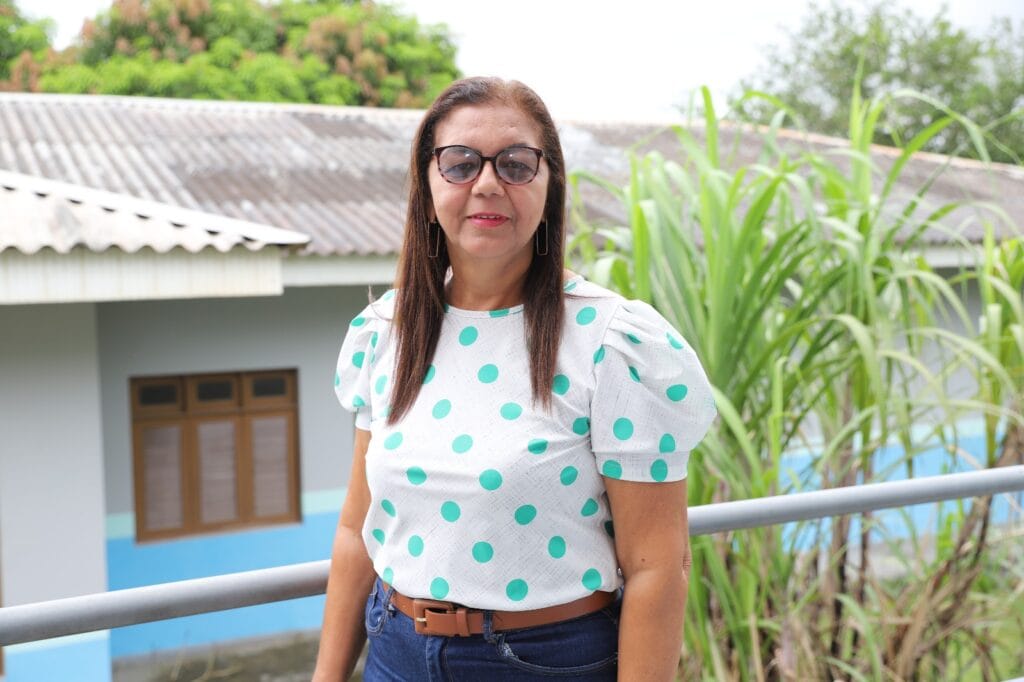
(584, 648)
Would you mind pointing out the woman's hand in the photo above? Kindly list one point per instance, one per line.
(653, 550)
(342, 635)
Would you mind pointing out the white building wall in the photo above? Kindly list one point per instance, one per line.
(302, 329)
(52, 534)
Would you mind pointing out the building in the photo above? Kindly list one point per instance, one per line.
(175, 280)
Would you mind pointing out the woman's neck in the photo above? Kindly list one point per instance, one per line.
(481, 288)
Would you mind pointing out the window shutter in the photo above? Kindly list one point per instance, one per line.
(161, 458)
(216, 442)
(271, 462)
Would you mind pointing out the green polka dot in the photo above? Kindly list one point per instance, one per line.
(373, 340)
(373, 358)
(442, 408)
(450, 511)
(570, 286)
(388, 507)
(388, 295)
(592, 579)
(581, 426)
(568, 475)
(612, 469)
(561, 384)
(537, 446)
(378, 535)
(462, 443)
(483, 552)
(468, 336)
(511, 411)
(415, 545)
(337, 379)
(634, 374)
(499, 313)
(659, 470)
(431, 371)
(667, 444)
(358, 321)
(676, 392)
(589, 507)
(358, 358)
(622, 428)
(525, 514)
(416, 475)
(556, 547)
(633, 338)
(393, 441)
(673, 341)
(586, 315)
(609, 528)
(447, 307)
(381, 383)
(490, 480)
(386, 411)
(358, 401)
(388, 575)
(599, 355)
(438, 588)
(487, 374)
(516, 590)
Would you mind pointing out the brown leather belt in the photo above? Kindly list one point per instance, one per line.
(433, 617)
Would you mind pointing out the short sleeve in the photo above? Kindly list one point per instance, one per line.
(652, 403)
(352, 375)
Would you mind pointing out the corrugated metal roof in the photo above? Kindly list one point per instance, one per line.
(40, 213)
(339, 173)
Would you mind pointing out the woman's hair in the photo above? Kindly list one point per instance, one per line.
(420, 304)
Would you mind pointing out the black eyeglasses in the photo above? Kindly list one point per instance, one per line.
(516, 165)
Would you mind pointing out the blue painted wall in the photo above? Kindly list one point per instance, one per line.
(134, 565)
(81, 658)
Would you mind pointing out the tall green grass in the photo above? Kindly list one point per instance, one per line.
(803, 284)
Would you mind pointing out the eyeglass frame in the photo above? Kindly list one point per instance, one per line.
(483, 161)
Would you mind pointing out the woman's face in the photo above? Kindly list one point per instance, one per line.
(488, 219)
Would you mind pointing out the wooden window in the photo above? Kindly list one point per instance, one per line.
(214, 452)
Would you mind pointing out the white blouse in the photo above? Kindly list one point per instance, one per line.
(482, 498)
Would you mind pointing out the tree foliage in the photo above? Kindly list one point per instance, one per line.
(318, 51)
(22, 43)
(981, 77)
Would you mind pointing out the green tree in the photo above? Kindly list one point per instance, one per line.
(22, 44)
(814, 72)
(318, 51)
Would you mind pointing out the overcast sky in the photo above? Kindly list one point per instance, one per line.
(635, 60)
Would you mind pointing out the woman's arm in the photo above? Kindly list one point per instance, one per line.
(342, 635)
(653, 549)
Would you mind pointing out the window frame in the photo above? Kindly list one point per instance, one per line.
(188, 414)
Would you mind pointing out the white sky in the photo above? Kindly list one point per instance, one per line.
(634, 60)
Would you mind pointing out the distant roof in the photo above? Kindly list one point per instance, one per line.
(40, 213)
(338, 174)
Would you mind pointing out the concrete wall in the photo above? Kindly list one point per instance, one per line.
(52, 536)
(302, 329)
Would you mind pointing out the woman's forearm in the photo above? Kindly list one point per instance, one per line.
(651, 625)
(343, 632)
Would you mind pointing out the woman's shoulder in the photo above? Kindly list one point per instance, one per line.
(585, 299)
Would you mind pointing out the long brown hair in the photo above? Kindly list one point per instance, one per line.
(419, 310)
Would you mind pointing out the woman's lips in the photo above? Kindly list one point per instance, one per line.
(488, 219)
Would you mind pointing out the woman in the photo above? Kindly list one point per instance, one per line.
(506, 410)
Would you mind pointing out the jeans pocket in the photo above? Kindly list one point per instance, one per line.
(376, 611)
(574, 647)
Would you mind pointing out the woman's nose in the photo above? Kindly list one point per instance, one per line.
(487, 182)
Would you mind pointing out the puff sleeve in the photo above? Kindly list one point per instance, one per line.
(352, 375)
(652, 403)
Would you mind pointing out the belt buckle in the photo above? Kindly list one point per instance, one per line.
(419, 611)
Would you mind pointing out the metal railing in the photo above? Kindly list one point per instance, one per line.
(60, 617)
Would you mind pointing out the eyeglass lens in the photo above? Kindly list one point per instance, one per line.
(514, 165)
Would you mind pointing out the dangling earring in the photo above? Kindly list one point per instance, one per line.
(541, 244)
(436, 226)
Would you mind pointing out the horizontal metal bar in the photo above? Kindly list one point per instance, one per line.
(60, 617)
